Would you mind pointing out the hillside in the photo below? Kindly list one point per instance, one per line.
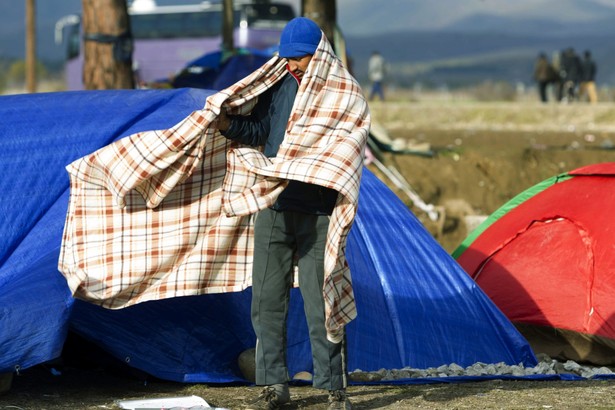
(458, 58)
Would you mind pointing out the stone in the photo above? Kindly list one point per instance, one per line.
(247, 364)
(6, 380)
(304, 376)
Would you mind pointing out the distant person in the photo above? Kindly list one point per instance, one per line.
(587, 87)
(558, 82)
(544, 74)
(571, 73)
(376, 70)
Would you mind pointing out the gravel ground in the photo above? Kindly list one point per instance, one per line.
(90, 389)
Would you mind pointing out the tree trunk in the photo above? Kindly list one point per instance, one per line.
(31, 46)
(107, 45)
(228, 44)
(324, 13)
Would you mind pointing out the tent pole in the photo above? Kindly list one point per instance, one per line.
(393, 174)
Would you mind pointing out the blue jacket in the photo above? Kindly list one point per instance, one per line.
(266, 125)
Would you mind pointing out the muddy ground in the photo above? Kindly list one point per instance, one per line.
(484, 154)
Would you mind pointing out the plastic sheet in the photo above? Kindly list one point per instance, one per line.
(417, 307)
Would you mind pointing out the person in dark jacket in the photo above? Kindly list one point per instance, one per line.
(587, 88)
(544, 74)
(295, 226)
(571, 73)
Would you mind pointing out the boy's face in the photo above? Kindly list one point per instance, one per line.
(298, 65)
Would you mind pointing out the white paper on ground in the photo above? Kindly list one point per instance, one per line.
(166, 403)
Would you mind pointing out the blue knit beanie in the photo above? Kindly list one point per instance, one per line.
(300, 37)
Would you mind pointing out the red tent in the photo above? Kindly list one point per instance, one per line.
(547, 260)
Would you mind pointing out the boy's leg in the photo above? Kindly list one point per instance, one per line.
(329, 358)
(271, 282)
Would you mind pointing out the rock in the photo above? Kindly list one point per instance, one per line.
(546, 365)
(473, 221)
(543, 357)
(560, 368)
(247, 364)
(591, 372)
(518, 371)
(458, 208)
(365, 377)
(304, 376)
(6, 380)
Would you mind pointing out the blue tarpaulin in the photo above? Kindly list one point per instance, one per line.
(217, 71)
(416, 306)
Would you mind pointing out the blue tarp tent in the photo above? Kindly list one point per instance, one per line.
(216, 70)
(416, 306)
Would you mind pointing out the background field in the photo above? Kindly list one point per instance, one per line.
(487, 153)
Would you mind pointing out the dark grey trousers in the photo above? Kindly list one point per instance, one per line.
(278, 236)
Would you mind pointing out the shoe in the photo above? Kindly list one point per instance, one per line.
(272, 397)
(338, 400)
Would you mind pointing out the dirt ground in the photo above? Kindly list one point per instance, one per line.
(477, 171)
(485, 154)
(101, 388)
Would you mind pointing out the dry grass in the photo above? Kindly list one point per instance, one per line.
(465, 115)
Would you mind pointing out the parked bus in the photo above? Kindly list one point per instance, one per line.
(167, 37)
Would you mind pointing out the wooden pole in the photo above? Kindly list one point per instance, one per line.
(107, 45)
(324, 13)
(30, 46)
(228, 44)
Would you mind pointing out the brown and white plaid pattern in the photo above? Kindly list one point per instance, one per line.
(168, 213)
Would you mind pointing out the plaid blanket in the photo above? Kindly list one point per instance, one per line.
(169, 213)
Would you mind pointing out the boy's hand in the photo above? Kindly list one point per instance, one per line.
(223, 121)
